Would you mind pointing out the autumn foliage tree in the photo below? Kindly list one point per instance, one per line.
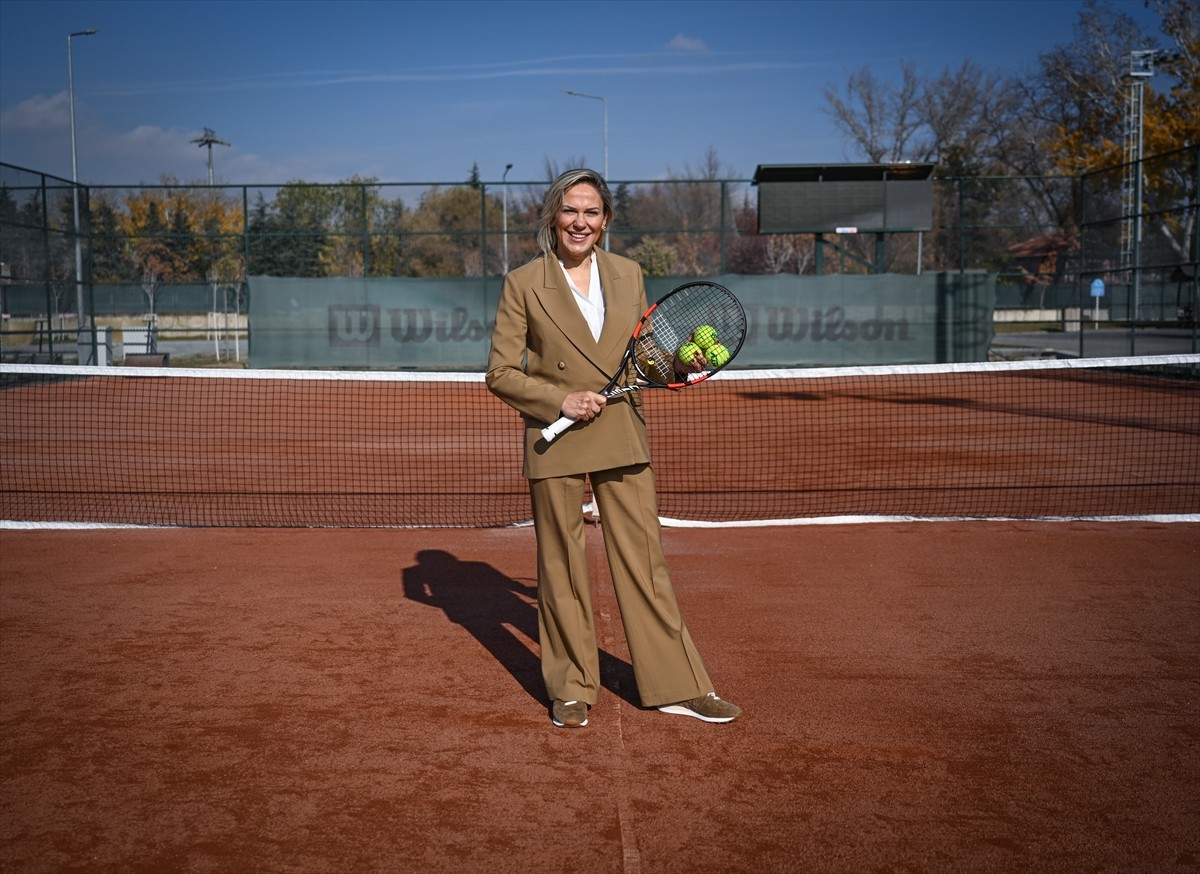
(1083, 85)
(445, 231)
(1062, 119)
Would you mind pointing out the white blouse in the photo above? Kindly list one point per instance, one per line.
(592, 304)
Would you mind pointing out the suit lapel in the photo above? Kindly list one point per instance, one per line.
(618, 302)
(559, 304)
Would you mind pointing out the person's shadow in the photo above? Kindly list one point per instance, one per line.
(501, 613)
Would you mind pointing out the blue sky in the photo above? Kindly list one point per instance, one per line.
(418, 92)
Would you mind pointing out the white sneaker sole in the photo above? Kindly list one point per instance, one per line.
(680, 710)
(558, 724)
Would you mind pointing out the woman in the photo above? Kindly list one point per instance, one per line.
(562, 325)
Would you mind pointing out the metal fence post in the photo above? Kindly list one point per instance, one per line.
(366, 233)
(46, 269)
(724, 218)
(483, 230)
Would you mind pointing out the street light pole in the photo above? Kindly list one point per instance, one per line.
(603, 100)
(504, 184)
(79, 316)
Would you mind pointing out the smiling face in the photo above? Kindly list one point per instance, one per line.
(581, 221)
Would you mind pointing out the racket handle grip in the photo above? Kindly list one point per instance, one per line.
(552, 431)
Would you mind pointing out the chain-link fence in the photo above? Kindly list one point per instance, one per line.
(165, 252)
(38, 265)
(1138, 238)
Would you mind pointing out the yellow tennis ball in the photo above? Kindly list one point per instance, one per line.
(718, 355)
(688, 352)
(704, 336)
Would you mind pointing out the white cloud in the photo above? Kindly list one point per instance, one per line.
(35, 134)
(688, 44)
(38, 113)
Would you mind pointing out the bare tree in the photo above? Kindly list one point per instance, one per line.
(880, 120)
(553, 169)
(970, 111)
(150, 286)
(1077, 94)
(787, 253)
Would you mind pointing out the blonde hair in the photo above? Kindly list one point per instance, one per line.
(553, 204)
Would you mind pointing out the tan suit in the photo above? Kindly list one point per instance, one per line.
(542, 351)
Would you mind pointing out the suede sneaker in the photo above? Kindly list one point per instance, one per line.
(709, 708)
(569, 714)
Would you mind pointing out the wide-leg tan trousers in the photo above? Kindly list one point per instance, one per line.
(665, 661)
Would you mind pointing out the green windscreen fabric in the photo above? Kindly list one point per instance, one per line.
(445, 324)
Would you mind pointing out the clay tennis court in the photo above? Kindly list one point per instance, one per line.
(982, 696)
(922, 696)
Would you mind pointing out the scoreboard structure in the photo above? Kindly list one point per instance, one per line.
(844, 198)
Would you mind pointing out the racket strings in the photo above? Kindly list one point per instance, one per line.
(651, 360)
(674, 322)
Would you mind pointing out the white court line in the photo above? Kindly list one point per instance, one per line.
(1158, 519)
(871, 520)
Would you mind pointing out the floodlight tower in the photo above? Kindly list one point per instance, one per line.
(209, 139)
(1141, 68)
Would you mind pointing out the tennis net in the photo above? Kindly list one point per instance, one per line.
(1091, 438)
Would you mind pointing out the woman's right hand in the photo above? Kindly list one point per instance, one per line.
(582, 406)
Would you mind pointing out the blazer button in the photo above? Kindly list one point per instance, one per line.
(562, 365)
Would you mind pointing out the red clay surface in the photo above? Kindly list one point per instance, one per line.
(925, 697)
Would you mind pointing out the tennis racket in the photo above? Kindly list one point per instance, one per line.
(703, 315)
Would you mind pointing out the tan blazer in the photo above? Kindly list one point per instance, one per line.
(542, 351)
